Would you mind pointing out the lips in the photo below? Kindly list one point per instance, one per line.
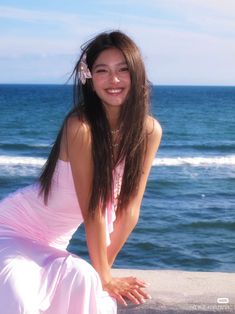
(114, 91)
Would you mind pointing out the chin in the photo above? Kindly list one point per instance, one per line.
(114, 104)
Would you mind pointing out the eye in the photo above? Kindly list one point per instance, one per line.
(124, 69)
(101, 71)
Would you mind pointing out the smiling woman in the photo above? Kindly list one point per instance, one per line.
(96, 174)
(111, 78)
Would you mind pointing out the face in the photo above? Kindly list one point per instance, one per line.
(111, 77)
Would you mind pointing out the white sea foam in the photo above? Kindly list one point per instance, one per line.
(212, 161)
(21, 161)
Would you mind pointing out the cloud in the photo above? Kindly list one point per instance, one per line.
(188, 43)
(220, 8)
(25, 15)
(211, 16)
(36, 69)
(17, 46)
(188, 58)
(224, 8)
(40, 32)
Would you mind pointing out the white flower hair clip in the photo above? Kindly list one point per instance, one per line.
(83, 70)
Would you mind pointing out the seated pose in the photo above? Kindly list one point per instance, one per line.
(96, 174)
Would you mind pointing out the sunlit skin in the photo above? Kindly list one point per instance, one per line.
(111, 81)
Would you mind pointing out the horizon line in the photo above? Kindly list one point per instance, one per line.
(155, 85)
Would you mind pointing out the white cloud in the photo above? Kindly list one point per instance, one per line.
(36, 69)
(48, 32)
(224, 8)
(8, 12)
(216, 16)
(185, 57)
(15, 46)
(199, 48)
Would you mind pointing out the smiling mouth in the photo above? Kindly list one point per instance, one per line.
(114, 91)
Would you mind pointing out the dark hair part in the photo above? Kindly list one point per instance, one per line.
(133, 133)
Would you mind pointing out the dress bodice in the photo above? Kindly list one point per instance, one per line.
(24, 212)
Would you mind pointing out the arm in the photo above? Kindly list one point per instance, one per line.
(126, 222)
(80, 157)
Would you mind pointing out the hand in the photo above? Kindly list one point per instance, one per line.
(127, 287)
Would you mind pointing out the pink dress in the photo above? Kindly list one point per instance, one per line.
(37, 274)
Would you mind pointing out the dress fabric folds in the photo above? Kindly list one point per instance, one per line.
(37, 274)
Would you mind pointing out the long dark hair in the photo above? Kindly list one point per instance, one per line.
(133, 133)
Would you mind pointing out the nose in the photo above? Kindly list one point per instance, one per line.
(114, 78)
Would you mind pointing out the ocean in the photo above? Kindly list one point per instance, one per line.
(187, 217)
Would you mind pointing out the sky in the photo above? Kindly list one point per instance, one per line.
(183, 42)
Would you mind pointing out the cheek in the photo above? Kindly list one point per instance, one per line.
(128, 80)
(97, 83)
(97, 89)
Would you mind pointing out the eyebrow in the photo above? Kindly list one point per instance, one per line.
(105, 65)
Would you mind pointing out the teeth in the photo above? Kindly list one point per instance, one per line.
(114, 90)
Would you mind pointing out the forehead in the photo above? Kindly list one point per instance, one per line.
(110, 56)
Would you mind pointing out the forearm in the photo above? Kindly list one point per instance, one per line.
(96, 243)
(123, 227)
(119, 288)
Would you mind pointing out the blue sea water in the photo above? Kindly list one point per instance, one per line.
(188, 211)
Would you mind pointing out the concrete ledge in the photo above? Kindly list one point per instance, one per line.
(182, 292)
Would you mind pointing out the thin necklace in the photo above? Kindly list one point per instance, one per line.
(115, 131)
(115, 145)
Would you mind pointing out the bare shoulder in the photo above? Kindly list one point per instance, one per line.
(154, 135)
(76, 137)
(154, 129)
(77, 130)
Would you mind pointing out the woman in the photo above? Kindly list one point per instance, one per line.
(96, 174)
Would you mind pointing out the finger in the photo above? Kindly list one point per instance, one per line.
(132, 297)
(135, 280)
(121, 300)
(142, 283)
(118, 297)
(138, 296)
(143, 294)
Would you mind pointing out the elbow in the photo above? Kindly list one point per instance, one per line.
(135, 219)
(132, 218)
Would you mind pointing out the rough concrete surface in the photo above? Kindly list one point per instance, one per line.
(183, 292)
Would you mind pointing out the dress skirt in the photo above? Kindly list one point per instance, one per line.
(37, 274)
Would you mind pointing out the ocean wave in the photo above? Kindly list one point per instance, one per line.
(22, 161)
(196, 161)
(206, 147)
(23, 146)
(167, 161)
